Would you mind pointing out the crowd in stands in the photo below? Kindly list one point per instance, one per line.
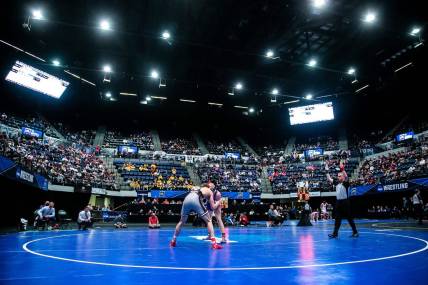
(220, 147)
(81, 137)
(142, 140)
(62, 164)
(231, 177)
(395, 166)
(145, 176)
(326, 142)
(30, 122)
(180, 146)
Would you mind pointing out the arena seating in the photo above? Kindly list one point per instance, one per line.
(180, 146)
(62, 164)
(231, 177)
(143, 174)
(285, 177)
(143, 140)
(395, 166)
(325, 142)
(220, 147)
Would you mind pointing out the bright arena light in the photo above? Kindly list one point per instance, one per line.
(56, 62)
(251, 110)
(319, 3)
(309, 96)
(105, 25)
(37, 14)
(370, 17)
(148, 98)
(415, 31)
(351, 71)
(166, 35)
(154, 74)
(312, 63)
(107, 68)
(108, 94)
(275, 91)
(238, 86)
(270, 53)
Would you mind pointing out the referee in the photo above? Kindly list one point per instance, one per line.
(343, 207)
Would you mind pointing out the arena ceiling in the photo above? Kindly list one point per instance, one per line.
(213, 45)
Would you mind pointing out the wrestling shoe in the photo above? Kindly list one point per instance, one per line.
(173, 243)
(355, 235)
(332, 235)
(216, 246)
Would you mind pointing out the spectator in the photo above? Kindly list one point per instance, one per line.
(153, 221)
(84, 220)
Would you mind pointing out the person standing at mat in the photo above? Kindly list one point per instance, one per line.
(418, 206)
(194, 202)
(343, 207)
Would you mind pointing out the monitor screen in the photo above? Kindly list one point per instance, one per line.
(127, 149)
(29, 132)
(405, 136)
(311, 113)
(37, 80)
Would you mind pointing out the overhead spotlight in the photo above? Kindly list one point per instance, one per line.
(415, 31)
(369, 17)
(166, 35)
(143, 102)
(312, 62)
(273, 99)
(108, 95)
(56, 62)
(238, 86)
(107, 68)
(270, 54)
(105, 25)
(251, 110)
(154, 74)
(275, 91)
(37, 14)
(148, 98)
(351, 71)
(308, 96)
(319, 3)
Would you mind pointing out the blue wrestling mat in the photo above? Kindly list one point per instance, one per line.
(255, 255)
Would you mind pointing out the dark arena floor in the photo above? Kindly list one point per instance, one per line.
(393, 252)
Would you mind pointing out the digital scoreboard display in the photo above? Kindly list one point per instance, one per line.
(37, 80)
(311, 113)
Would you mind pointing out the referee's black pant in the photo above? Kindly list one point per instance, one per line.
(343, 209)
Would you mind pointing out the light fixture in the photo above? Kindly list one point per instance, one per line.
(351, 71)
(270, 53)
(215, 104)
(148, 98)
(105, 25)
(143, 102)
(362, 88)
(415, 31)
(37, 14)
(107, 68)
(404, 66)
(128, 94)
(188, 100)
(154, 74)
(275, 91)
(312, 62)
(166, 35)
(56, 62)
(108, 95)
(273, 99)
(251, 110)
(158, 97)
(238, 86)
(240, 107)
(319, 3)
(369, 17)
(309, 96)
